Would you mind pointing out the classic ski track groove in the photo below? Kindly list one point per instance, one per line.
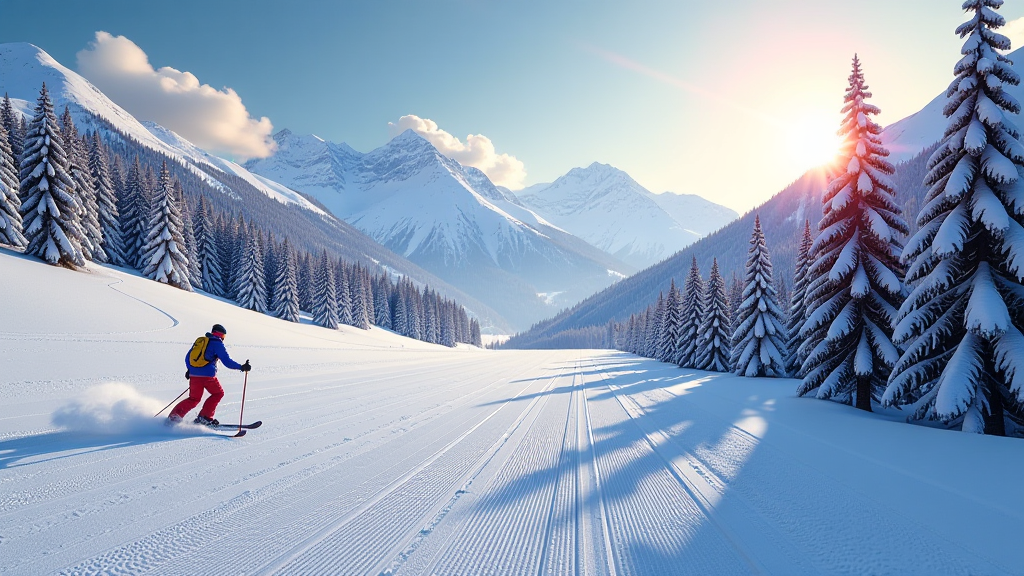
(104, 478)
(330, 560)
(407, 400)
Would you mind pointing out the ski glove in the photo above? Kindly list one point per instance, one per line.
(187, 375)
(246, 367)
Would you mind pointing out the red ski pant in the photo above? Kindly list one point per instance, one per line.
(196, 385)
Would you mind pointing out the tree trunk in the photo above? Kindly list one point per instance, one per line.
(864, 393)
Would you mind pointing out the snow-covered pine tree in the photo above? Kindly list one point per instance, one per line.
(475, 337)
(50, 209)
(856, 289)
(164, 251)
(250, 284)
(714, 334)
(798, 305)
(306, 272)
(325, 297)
(12, 124)
(344, 293)
(85, 189)
(668, 339)
(368, 295)
(654, 327)
(286, 290)
(206, 246)
(134, 208)
(381, 304)
(270, 262)
(759, 339)
(690, 317)
(962, 324)
(195, 272)
(735, 297)
(10, 202)
(360, 319)
(106, 201)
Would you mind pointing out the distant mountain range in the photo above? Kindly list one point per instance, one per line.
(606, 207)
(23, 69)
(522, 254)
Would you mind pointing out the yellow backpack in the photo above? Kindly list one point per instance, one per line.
(197, 355)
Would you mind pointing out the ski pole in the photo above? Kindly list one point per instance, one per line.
(245, 384)
(172, 402)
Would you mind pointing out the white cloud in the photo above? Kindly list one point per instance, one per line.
(1014, 30)
(212, 119)
(478, 151)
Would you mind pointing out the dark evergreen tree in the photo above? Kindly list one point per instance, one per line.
(962, 324)
(856, 288)
(207, 249)
(12, 123)
(381, 304)
(250, 287)
(106, 201)
(50, 208)
(10, 202)
(715, 331)
(671, 323)
(325, 297)
(195, 272)
(134, 207)
(759, 338)
(691, 315)
(85, 189)
(360, 319)
(798, 305)
(286, 290)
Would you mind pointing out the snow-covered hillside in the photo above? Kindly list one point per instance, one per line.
(23, 69)
(448, 218)
(606, 207)
(382, 455)
(908, 137)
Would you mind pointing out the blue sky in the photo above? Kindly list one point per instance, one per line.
(685, 96)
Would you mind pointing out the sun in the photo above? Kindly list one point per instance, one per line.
(812, 140)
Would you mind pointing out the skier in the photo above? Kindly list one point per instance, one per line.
(201, 371)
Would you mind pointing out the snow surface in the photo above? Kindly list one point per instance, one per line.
(383, 455)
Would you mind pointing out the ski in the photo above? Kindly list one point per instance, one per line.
(252, 426)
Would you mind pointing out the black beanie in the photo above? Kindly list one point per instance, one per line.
(219, 328)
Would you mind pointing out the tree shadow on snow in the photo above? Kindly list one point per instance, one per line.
(654, 521)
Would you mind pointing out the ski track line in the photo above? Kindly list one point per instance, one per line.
(383, 512)
(609, 550)
(61, 507)
(104, 478)
(519, 502)
(651, 513)
(236, 527)
(512, 438)
(275, 504)
(701, 461)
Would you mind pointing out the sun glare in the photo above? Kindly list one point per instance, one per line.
(813, 140)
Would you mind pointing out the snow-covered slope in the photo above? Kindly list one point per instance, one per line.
(448, 218)
(908, 137)
(23, 69)
(606, 207)
(383, 455)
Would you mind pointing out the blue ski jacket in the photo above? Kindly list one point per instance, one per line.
(214, 351)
